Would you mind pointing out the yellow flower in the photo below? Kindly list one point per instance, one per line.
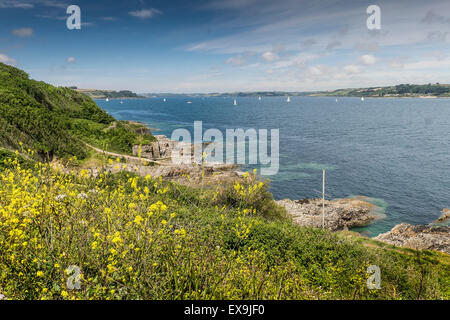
(40, 274)
(138, 219)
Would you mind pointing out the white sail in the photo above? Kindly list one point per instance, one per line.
(164, 99)
(235, 102)
(259, 98)
(362, 98)
(288, 99)
(107, 99)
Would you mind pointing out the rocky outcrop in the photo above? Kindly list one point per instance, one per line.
(340, 214)
(418, 237)
(160, 149)
(445, 218)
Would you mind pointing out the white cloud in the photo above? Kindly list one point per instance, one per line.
(108, 18)
(316, 71)
(29, 4)
(71, 59)
(7, 60)
(299, 60)
(23, 32)
(15, 4)
(269, 56)
(87, 24)
(352, 68)
(236, 61)
(367, 59)
(145, 13)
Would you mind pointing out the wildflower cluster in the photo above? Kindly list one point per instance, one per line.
(70, 235)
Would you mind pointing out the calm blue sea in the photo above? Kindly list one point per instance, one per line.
(394, 151)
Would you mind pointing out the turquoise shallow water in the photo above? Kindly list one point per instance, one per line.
(394, 151)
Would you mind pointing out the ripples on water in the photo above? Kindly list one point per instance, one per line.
(394, 151)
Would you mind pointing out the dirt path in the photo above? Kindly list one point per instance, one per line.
(131, 158)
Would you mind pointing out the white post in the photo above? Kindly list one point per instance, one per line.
(323, 200)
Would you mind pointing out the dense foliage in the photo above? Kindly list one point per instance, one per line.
(46, 119)
(71, 236)
(101, 94)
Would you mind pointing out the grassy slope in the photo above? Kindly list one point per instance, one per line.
(51, 120)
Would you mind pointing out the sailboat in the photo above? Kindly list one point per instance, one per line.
(336, 100)
(259, 98)
(362, 98)
(107, 99)
(164, 99)
(235, 102)
(121, 102)
(288, 99)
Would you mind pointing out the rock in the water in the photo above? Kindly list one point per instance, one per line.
(418, 237)
(445, 216)
(340, 214)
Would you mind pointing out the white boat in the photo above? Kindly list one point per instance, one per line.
(288, 99)
(259, 98)
(107, 99)
(121, 102)
(235, 102)
(336, 100)
(189, 102)
(164, 99)
(362, 98)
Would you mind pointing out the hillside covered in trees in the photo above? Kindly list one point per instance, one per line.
(52, 121)
(103, 94)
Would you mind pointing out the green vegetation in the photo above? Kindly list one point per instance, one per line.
(103, 94)
(119, 137)
(52, 120)
(401, 90)
(142, 238)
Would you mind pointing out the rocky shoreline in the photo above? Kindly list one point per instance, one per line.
(343, 214)
(340, 214)
(436, 238)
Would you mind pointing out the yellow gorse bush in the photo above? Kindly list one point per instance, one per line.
(48, 220)
(120, 233)
(69, 235)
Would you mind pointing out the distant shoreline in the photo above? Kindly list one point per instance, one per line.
(120, 98)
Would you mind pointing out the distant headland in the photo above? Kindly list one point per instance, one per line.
(110, 94)
(436, 90)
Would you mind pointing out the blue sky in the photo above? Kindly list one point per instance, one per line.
(224, 46)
